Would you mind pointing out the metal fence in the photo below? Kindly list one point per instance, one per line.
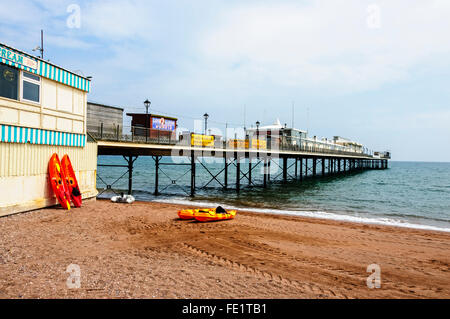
(149, 136)
(134, 134)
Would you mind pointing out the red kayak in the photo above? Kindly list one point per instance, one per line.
(58, 181)
(71, 181)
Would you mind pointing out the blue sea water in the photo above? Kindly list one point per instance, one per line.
(408, 194)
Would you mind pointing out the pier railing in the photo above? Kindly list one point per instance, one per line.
(142, 135)
(133, 134)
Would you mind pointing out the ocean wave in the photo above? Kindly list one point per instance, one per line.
(312, 214)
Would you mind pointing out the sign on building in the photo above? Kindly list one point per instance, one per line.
(161, 123)
(238, 143)
(259, 144)
(202, 140)
(17, 58)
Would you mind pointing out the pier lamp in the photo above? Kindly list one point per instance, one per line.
(257, 132)
(206, 121)
(147, 105)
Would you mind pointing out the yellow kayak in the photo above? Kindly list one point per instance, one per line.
(207, 214)
(213, 214)
(187, 213)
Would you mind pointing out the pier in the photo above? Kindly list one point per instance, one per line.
(295, 162)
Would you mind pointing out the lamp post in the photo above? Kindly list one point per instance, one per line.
(147, 105)
(206, 121)
(257, 134)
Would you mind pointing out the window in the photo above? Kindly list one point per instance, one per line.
(31, 87)
(9, 82)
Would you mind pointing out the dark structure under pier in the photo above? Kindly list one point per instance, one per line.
(294, 165)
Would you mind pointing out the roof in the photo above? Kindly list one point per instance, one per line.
(340, 139)
(39, 59)
(27, 62)
(275, 126)
(153, 115)
(104, 105)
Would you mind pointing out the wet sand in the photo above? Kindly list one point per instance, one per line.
(142, 250)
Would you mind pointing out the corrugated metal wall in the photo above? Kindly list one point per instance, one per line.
(24, 181)
(28, 160)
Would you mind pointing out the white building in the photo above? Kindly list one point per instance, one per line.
(276, 133)
(42, 111)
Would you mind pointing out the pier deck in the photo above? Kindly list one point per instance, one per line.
(141, 149)
(306, 161)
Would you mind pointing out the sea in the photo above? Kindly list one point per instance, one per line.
(407, 194)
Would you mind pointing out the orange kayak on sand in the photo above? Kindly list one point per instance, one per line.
(58, 181)
(71, 181)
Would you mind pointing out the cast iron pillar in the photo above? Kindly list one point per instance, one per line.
(301, 168)
(225, 159)
(306, 167)
(238, 174)
(265, 172)
(249, 170)
(314, 166)
(130, 174)
(192, 174)
(323, 166)
(156, 158)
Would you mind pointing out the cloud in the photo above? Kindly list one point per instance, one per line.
(370, 84)
(119, 20)
(328, 44)
(314, 45)
(67, 42)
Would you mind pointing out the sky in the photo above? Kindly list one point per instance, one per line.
(376, 71)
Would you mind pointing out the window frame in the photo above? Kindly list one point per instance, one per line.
(32, 81)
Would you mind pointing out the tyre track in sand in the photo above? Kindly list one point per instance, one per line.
(225, 246)
(323, 266)
(309, 289)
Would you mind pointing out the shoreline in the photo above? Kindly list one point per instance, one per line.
(323, 215)
(143, 250)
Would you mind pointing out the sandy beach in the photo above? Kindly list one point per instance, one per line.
(142, 250)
